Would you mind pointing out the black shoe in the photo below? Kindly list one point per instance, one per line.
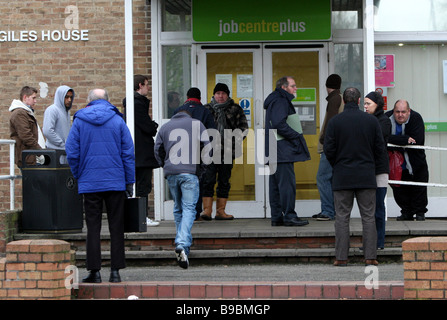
(114, 276)
(404, 218)
(277, 223)
(420, 218)
(316, 215)
(182, 258)
(296, 222)
(93, 277)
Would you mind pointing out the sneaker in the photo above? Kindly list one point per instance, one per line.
(151, 223)
(323, 217)
(182, 258)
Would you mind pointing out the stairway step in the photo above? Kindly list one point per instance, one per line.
(244, 253)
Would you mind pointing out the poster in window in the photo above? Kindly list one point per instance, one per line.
(384, 70)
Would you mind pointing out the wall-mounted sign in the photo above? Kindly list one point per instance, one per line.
(306, 96)
(384, 70)
(260, 20)
(43, 35)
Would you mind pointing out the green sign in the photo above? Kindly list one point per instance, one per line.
(306, 95)
(261, 20)
(435, 126)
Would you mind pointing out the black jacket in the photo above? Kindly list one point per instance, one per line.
(145, 130)
(414, 128)
(352, 144)
(383, 164)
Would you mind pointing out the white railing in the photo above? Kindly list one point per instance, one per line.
(11, 175)
(412, 182)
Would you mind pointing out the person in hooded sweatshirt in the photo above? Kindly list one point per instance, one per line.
(290, 149)
(23, 127)
(100, 153)
(56, 119)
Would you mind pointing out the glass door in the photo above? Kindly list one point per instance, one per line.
(239, 69)
(309, 67)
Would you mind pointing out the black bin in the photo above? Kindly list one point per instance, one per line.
(51, 203)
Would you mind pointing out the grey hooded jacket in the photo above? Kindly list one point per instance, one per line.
(56, 120)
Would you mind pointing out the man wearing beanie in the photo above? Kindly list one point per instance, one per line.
(227, 115)
(335, 105)
(199, 112)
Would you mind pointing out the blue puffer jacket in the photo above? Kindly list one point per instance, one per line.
(293, 148)
(100, 149)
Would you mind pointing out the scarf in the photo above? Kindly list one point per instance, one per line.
(220, 115)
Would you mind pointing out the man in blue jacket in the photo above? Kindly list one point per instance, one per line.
(100, 153)
(290, 148)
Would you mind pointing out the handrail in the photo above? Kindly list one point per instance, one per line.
(426, 184)
(11, 175)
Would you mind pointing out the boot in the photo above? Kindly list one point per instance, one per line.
(207, 203)
(221, 203)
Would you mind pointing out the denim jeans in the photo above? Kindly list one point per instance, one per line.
(380, 216)
(185, 192)
(324, 184)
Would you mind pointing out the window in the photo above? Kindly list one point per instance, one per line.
(176, 77)
(176, 15)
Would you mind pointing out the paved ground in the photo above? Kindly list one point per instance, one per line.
(258, 272)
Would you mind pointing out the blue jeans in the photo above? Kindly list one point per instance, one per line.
(185, 192)
(380, 216)
(324, 184)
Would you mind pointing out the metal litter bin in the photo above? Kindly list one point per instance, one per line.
(51, 203)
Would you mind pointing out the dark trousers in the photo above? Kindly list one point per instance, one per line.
(221, 173)
(412, 200)
(143, 182)
(93, 203)
(282, 193)
(344, 201)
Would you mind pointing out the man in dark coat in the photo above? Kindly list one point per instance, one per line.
(352, 144)
(145, 131)
(291, 147)
(408, 129)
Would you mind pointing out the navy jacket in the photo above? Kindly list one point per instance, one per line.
(199, 112)
(293, 147)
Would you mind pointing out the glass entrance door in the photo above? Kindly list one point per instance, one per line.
(236, 68)
(251, 73)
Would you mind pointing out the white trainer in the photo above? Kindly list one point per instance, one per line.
(151, 223)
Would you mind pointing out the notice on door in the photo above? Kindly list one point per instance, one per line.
(244, 86)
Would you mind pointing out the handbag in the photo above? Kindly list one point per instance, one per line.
(135, 210)
(396, 161)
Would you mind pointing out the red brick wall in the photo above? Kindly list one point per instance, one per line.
(35, 269)
(83, 65)
(425, 268)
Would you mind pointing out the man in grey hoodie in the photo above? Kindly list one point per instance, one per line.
(56, 119)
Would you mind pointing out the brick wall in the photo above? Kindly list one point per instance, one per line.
(35, 269)
(425, 268)
(83, 65)
(9, 224)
